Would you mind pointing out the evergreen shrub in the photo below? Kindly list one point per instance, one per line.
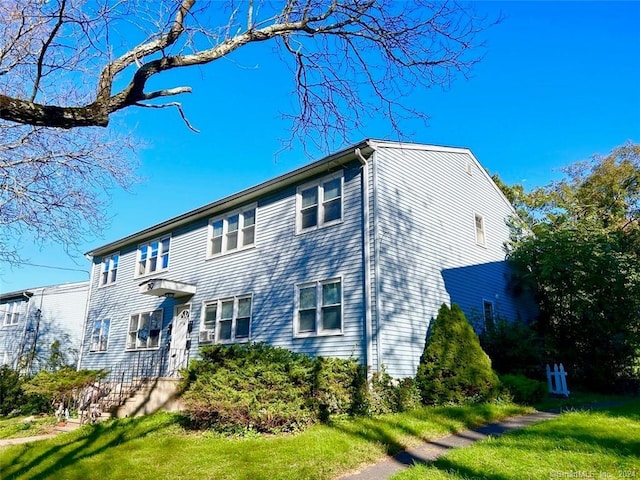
(256, 387)
(522, 389)
(453, 367)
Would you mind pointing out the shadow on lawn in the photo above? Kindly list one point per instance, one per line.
(35, 459)
(587, 436)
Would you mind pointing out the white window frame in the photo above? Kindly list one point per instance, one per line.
(319, 306)
(102, 336)
(215, 337)
(321, 202)
(242, 230)
(109, 266)
(147, 247)
(486, 302)
(480, 231)
(11, 313)
(130, 347)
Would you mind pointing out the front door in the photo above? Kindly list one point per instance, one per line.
(178, 353)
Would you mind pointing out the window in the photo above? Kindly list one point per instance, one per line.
(11, 313)
(144, 330)
(109, 269)
(228, 318)
(480, 236)
(487, 308)
(153, 256)
(320, 204)
(319, 308)
(99, 336)
(232, 232)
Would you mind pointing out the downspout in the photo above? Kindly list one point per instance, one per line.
(368, 335)
(86, 312)
(376, 262)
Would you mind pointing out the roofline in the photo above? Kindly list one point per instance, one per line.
(245, 196)
(29, 292)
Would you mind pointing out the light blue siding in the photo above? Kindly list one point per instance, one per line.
(428, 199)
(269, 271)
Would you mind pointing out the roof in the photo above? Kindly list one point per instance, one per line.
(29, 292)
(341, 157)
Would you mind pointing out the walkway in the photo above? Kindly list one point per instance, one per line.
(59, 429)
(433, 449)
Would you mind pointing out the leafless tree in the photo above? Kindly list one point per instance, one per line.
(66, 64)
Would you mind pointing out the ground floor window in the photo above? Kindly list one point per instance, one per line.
(144, 330)
(100, 335)
(319, 308)
(229, 319)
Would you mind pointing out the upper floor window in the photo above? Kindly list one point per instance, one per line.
(11, 313)
(227, 320)
(319, 204)
(109, 269)
(480, 233)
(100, 335)
(153, 256)
(232, 232)
(319, 308)
(487, 310)
(144, 330)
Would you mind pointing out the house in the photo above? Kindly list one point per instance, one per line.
(349, 256)
(33, 319)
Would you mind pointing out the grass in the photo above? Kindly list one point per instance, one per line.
(157, 447)
(18, 427)
(602, 444)
(577, 399)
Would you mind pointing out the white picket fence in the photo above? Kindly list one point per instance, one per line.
(557, 380)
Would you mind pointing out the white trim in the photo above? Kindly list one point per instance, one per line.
(142, 312)
(159, 268)
(109, 282)
(318, 332)
(234, 317)
(225, 225)
(483, 229)
(319, 184)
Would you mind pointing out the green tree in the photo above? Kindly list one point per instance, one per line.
(582, 262)
(453, 367)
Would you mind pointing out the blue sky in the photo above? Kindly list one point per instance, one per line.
(558, 83)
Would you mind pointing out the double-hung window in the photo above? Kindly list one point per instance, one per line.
(229, 318)
(480, 233)
(232, 232)
(144, 330)
(487, 310)
(11, 313)
(319, 308)
(153, 256)
(109, 269)
(319, 204)
(100, 335)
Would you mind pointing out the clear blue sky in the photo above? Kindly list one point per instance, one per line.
(559, 82)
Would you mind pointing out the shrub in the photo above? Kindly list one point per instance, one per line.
(11, 394)
(523, 389)
(514, 348)
(453, 367)
(256, 387)
(387, 395)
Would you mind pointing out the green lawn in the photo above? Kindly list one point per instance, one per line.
(156, 447)
(18, 427)
(602, 444)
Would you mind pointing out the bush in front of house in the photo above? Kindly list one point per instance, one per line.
(388, 395)
(453, 367)
(522, 389)
(256, 387)
(514, 348)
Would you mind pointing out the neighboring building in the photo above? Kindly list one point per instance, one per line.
(350, 256)
(31, 320)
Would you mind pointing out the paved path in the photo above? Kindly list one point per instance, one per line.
(59, 429)
(433, 449)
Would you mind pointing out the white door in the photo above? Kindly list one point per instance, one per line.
(179, 337)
